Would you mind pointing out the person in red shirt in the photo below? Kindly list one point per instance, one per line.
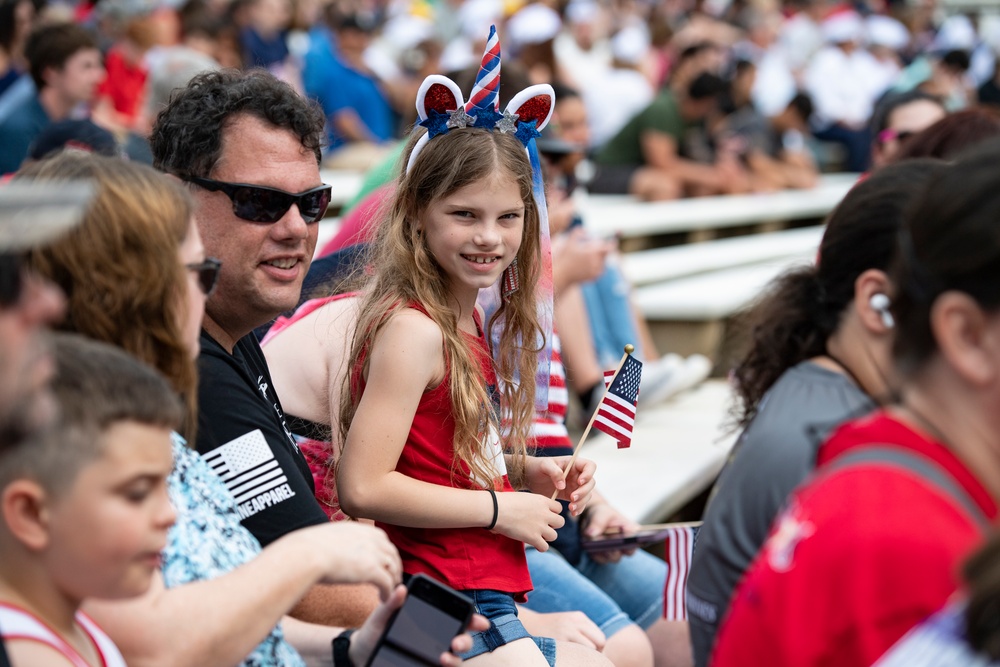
(872, 544)
(121, 95)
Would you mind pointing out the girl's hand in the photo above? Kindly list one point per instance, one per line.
(528, 518)
(602, 518)
(364, 640)
(544, 475)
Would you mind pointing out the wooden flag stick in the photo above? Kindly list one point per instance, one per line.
(629, 349)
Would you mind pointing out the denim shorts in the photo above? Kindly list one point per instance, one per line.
(505, 627)
(612, 595)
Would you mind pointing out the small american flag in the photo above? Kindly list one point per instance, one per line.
(616, 413)
(678, 550)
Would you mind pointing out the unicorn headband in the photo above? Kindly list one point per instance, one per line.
(441, 107)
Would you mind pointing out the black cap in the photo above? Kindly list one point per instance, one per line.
(79, 134)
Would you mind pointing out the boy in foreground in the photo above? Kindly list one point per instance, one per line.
(85, 508)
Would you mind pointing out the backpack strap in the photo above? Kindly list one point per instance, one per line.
(921, 466)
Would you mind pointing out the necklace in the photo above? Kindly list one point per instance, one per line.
(847, 371)
(890, 397)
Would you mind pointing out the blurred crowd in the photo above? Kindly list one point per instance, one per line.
(659, 100)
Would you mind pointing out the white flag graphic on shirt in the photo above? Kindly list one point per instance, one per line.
(247, 466)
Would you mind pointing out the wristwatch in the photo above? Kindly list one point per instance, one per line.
(341, 649)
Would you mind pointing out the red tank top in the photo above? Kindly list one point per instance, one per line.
(463, 558)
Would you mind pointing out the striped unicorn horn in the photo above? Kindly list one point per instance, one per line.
(486, 89)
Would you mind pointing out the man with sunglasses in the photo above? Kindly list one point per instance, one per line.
(249, 148)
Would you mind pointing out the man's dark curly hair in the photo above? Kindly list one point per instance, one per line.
(187, 135)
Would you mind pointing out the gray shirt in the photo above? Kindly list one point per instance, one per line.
(774, 454)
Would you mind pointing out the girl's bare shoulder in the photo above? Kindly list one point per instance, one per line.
(414, 330)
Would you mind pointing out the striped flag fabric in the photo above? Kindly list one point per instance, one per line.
(486, 89)
(247, 466)
(616, 413)
(678, 550)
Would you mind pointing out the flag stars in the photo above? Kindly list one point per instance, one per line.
(437, 122)
(508, 123)
(526, 131)
(628, 380)
(460, 119)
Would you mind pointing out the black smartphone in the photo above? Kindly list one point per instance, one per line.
(422, 629)
(618, 540)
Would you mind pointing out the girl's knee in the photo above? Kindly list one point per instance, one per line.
(576, 655)
(629, 647)
(522, 652)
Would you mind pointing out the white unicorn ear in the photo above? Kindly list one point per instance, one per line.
(438, 93)
(534, 103)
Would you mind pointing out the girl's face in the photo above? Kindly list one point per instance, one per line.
(192, 311)
(108, 529)
(475, 232)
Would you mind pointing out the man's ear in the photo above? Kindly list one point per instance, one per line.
(866, 286)
(26, 512)
(966, 337)
(47, 75)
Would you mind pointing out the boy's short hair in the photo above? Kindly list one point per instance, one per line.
(51, 45)
(96, 386)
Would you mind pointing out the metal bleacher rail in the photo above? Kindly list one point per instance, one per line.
(689, 293)
(629, 218)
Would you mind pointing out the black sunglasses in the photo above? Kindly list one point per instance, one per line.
(257, 203)
(208, 273)
(11, 278)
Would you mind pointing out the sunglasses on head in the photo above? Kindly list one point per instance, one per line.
(887, 135)
(11, 278)
(258, 203)
(208, 273)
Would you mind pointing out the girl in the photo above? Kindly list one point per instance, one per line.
(819, 355)
(872, 543)
(150, 301)
(421, 430)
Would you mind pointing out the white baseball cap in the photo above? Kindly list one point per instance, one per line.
(32, 214)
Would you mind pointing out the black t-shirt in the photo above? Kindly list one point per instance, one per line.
(242, 435)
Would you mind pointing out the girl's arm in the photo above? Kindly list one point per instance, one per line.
(239, 609)
(406, 359)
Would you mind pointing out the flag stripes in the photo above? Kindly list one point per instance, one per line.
(616, 413)
(678, 550)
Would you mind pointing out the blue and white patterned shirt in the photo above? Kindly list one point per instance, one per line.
(208, 541)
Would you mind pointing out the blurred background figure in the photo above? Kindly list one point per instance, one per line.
(897, 118)
(16, 19)
(65, 67)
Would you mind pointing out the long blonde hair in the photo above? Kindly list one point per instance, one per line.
(403, 272)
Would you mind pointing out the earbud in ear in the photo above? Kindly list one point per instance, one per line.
(880, 304)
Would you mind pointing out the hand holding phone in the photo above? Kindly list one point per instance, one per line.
(422, 629)
(617, 541)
